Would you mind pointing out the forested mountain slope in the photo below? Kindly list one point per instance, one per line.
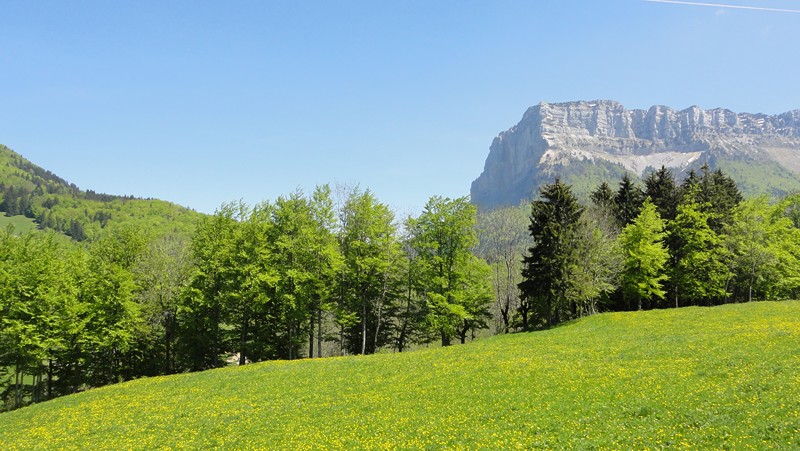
(692, 378)
(53, 203)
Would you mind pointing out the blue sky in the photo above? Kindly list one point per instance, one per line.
(201, 103)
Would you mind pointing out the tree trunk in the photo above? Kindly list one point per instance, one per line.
(364, 322)
(341, 339)
(289, 330)
(243, 338)
(445, 339)
(49, 378)
(319, 332)
(523, 311)
(504, 315)
(311, 335)
(167, 345)
(380, 311)
(16, 388)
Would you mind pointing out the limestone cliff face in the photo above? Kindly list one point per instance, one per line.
(603, 138)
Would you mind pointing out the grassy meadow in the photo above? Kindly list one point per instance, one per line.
(717, 378)
(21, 224)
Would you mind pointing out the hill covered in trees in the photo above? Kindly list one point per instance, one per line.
(55, 204)
(694, 378)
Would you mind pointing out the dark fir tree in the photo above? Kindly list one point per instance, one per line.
(717, 192)
(660, 186)
(725, 197)
(628, 201)
(547, 266)
(603, 196)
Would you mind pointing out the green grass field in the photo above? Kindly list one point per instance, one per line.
(714, 378)
(21, 224)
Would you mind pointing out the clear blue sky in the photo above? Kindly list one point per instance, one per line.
(205, 102)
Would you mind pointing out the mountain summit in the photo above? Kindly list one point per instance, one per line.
(587, 142)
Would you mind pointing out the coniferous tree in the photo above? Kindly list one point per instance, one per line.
(716, 192)
(660, 186)
(603, 196)
(627, 201)
(551, 258)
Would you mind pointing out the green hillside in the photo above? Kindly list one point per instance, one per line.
(716, 378)
(29, 191)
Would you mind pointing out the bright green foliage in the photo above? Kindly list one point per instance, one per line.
(369, 285)
(263, 276)
(443, 236)
(645, 257)
(552, 259)
(201, 340)
(691, 378)
(766, 251)
(327, 263)
(37, 309)
(306, 261)
(700, 271)
(108, 289)
(476, 295)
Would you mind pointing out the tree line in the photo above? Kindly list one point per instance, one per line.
(277, 280)
(666, 245)
(336, 272)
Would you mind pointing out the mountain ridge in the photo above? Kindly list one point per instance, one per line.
(602, 140)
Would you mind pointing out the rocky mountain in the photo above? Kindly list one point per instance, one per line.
(587, 142)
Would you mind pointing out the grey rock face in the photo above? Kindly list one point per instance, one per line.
(572, 137)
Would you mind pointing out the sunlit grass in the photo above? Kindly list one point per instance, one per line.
(723, 377)
(21, 224)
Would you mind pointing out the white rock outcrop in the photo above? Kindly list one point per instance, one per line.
(552, 137)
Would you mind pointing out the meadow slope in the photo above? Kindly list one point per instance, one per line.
(722, 377)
